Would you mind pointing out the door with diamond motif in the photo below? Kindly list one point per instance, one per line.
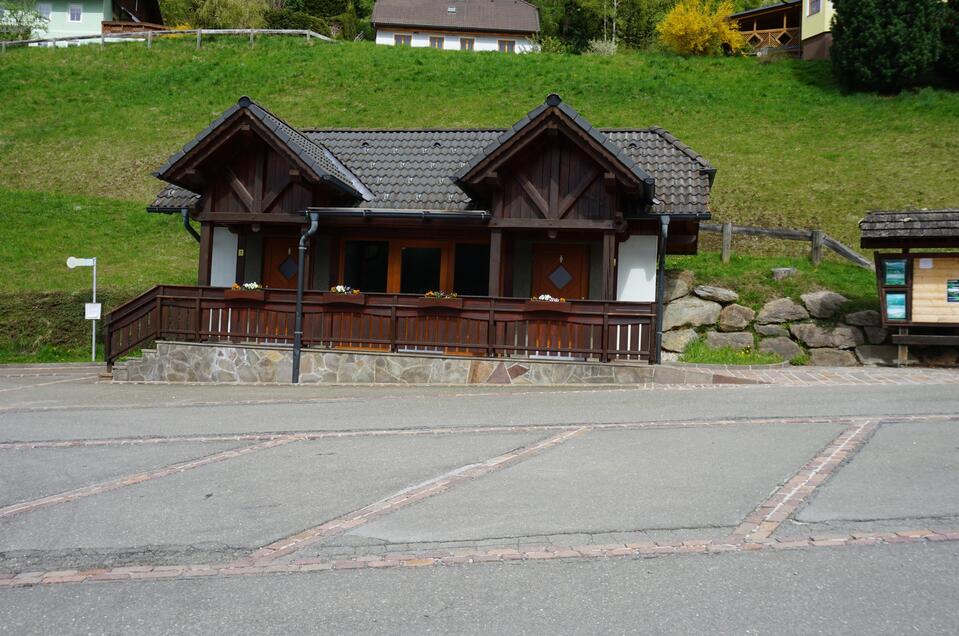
(279, 262)
(560, 270)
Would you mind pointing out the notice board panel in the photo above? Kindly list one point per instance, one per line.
(931, 287)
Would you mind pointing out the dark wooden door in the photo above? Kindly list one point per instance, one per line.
(560, 270)
(279, 262)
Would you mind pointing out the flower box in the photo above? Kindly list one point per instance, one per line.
(562, 306)
(244, 294)
(332, 298)
(437, 303)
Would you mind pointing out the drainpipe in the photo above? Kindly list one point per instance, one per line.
(298, 320)
(187, 226)
(661, 286)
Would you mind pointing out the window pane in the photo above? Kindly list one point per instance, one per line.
(420, 270)
(466, 44)
(471, 273)
(75, 12)
(365, 265)
(436, 43)
(44, 9)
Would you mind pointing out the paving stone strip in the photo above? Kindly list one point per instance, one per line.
(783, 503)
(404, 498)
(465, 557)
(136, 478)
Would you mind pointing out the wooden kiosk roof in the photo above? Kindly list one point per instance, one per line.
(912, 228)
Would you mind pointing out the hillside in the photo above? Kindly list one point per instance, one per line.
(81, 129)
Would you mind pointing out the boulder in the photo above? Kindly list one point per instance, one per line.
(718, 294)
(881, 355)
(864, 318)
(738, 341)
(832, 358)
(823, 304)
(774, 331)
(735, 317)
(679, 282)
(678, 339)
(876, 335)
(838, 337)
(781, 310)
(690, 311)
(780, 273)
(781, 346)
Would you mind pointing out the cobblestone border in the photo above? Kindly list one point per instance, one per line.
(464, 557)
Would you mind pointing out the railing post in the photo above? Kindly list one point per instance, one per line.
(727, 241)
(199, 38)
(199, 321)
(815, 252)
(393, 325)
(604, 341)
(251, 38)
(149, 39)
(491, 330)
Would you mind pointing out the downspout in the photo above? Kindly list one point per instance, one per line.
(661, 286)
(298, 320)
(187, 226)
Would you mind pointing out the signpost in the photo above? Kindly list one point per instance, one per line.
(91, 309)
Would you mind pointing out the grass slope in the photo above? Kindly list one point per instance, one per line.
(790, 148)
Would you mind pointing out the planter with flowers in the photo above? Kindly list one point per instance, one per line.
(545, 302)
(246, 291)
(437, 300)
(343, 295)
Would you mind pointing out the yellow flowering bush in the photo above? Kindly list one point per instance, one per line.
(700, 27)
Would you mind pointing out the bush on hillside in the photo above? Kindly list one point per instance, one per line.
(885, 45)
(949, 59)
(286, 19)
(601, 47)
(231, 14)
(320, 8)
(700, 27)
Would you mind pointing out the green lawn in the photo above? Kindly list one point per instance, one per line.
(791, 149)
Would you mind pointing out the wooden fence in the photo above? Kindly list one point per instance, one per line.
(149, 36)
(816, 238)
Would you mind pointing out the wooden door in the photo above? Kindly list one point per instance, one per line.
(279, 262)
(560, 270)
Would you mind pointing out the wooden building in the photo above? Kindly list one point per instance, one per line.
(550, 205)
(799, 27)
(918, 290)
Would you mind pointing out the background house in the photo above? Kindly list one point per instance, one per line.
(508, 26)
(91, 17)
(801, 27)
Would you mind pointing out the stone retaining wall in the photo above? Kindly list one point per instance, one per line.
(232, 364)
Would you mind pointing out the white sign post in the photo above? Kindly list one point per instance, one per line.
(91, 309)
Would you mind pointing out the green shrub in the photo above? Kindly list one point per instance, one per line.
(700, 27)
(286, 19)
(885, 45)
(949, 59)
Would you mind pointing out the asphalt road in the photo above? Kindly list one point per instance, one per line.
(108, 479)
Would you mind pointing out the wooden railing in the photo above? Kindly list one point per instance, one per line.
(771, 38)
(817, 240)
(106, 37)
(471, 325)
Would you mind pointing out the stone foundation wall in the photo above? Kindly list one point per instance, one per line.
(230, 364)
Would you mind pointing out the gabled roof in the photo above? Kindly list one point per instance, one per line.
(769, 8)
(553, 105)
(504, 16)
(323, 165)
(914, 226)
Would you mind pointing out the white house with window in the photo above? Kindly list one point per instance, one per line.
(67, 18)
(507, 26)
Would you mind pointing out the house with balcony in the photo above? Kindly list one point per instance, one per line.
(799, 27)
(507, 26)
(544, 240)
(72, 18)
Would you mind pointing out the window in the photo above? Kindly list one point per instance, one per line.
(76, 13)
(45, 9)
(471, 269)
(507, 46)
(365, 265)
(814, 7)
(467, 44)
(403, 40)
(436, 42)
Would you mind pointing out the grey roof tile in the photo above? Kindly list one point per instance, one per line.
(911, 224)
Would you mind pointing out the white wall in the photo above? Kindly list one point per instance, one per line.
(636, 265)
(223, 265)
(451, 40)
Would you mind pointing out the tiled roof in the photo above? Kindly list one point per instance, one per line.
(321, 161)
(763, 9)
(174, 198)
(914, 224)
(510, 16)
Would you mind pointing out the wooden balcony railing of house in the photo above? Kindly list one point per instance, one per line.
(757, 39)
(470, 325)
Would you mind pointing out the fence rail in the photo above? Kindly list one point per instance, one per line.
(472, 325)
(149, 36)
(816, 238)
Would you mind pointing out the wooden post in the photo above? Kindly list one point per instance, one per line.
(609, 249)
(495, 262)
(251, 38)
(815, 253)
(149, 39)
(101, 40)
(902, 359)
(206, 254)
(727, 241)
(199, 38)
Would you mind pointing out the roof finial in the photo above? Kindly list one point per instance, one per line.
(244, 101)
(553, 99)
